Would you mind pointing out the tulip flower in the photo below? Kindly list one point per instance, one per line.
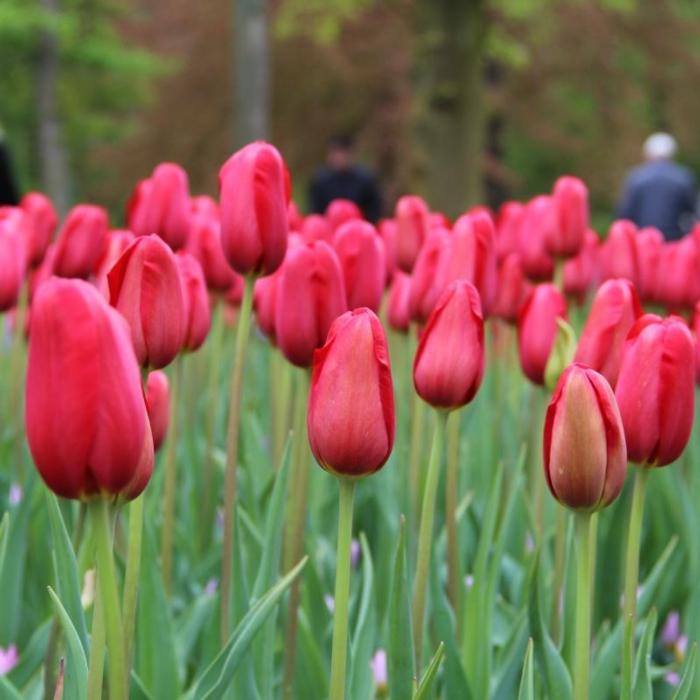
(158, 405)
(196, 301)
(294, 217)
(12, 258)
(316, 228)
(614, 311)
(678, 282)
(254, 194)
(619, 252)
(398, 313)
(117, 242)
(361, 254)
(42, 224)
(425, 282)
(580, 272)
(265, 304)
(696, 333)
(204, 243)
(145, 288)
(413, 226)
(387, 230)
(565, 237)
(536, 223)
(650, 243)
(512, 289)
(537, 328)
(81, 241)
(508, 229)
(340, 211)
(449, 362)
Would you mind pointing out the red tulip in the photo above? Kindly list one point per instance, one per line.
(388, 231)
(316, 228)
(537, 329)
(12, 257)
(426, 285)
(413, 226)
(678, 283)
(536, 222)
(43, 272)
(650, 242)
(614, 311)
(361, 254)
(581, 270)
(294, 217)
(696, 334)
(194, 292)
(655, 389)
(42, 224)
(117, 242)
(512, 289)
(81, 241)
(619, 252)
(351, 404)
(310, 296)
(585, 459)
(145, 288)
(204, 244)
(86, 418)
(570, 204)
(158, 405)
(340, 211)
(254, 194)
(449, 362)
(508, 229)
(265, 303)
(398, 313)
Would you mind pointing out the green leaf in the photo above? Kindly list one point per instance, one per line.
(527, 681)
(400, 651)
(686, 684)
(642, 688)
(364, 631)
(426, 684)
(76, 672)
(8, 691)
(508, 662)
(216, 679)
(312, 668)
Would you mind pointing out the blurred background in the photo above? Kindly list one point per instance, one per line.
(462, 101)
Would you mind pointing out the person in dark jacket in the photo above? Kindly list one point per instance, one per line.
(660, 192)
(8, 189)
(343, 178)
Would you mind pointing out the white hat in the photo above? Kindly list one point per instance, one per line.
(660, 146)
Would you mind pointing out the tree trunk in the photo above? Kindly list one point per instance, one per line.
(449, 95)
(251, 71)
(53, 163)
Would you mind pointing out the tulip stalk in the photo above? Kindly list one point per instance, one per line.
(634, 534)
(97, 650)
(584, 543)
(342, 591)
(131, 576)
(451, 491)
(425, 535)
(242, 333)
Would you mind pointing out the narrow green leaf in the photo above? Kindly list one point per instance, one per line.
(686, 684)
(508, 660)
(426, 684)
(527, 680)
(364, 631)
(642, 688)
(312, 668)
(8, 691)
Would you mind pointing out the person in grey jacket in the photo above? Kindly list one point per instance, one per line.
(660, 192)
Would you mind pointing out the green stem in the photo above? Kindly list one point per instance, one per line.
(559, 556)
(451, 491)
(583, 605)
(342, 591)
(559, 274)
(425, 534)
(131, 576)
(97, 650)
(242, 333)
(167, 534)
(417, 424)
(634, 534)
(107, 582)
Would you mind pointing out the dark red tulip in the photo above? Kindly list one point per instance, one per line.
(42, 224)
(398, 313)
(650, 242)
(535, 223)
(619, 252)
(655, 389)
(340, 211)
(197, 309)
(614, 311)
(585, 459)
(81, 241)
(426, 286)
(537, 329)
(158, 405)
(86, 419)
(565, 237)
(12, 257)
(413, 226)
(316, 228)
(449, 362)
(512, 289)
(351, 404)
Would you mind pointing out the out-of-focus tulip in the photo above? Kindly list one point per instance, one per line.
(412, 227)
(294, 217)
(585, 459)
(535, 223)
(42, 224)
(696, 333)
(265, 304)
(361, 254)
(81, 241)
(197, 309)
(310, 296)
(145, 288)
(12, 258)
(87, 425)
(316, 228)
(508, 229)
(387, 230)
(351, 404)
(655, 390)
(512, 289)
(117, 242)
(570, 204)
(449, 362)
(614, 311)
(537, 328)
(399, 313)
(619, 252)
(254, 193)
(580, 271)
(43, 272)
(158, 405)
(650, 242)
(204, 243)
(678, 283)
(426, 285)
(340, 211)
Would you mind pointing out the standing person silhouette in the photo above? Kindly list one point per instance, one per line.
(660, 192)
(8, 188)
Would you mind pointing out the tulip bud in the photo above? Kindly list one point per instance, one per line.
(585, 459)
(614, 310)
(398, 314)
(145, 288)
(650, 242)
(580, 271)
(537, 328)
(570, 202)
(87, 426)
(12, 259)
(619, 252)
(361, 254)
(265, 303)
(340, 211)
(254, 193)
(696, 334)
(449, 362)
(512, 289)
(204, 244)
(387, 231)
(426, 285)
(351, 403)
(678, 283)
(169, 204)
(194, 292)
(316, 228)
(42, 223)
(412, 221)
(158, 405)
(294, 217)
(117, 242)
(535, 224)
(81, 241)
(310, 296)
(508, 229)
(655, 390)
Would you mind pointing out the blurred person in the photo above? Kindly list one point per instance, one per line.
(8, 188)
(343, 178)
(660, 192)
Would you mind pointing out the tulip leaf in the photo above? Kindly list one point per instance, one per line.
(312, 673)
(400, 651)
(8, 691)
(190, 626)
(426, 685)
(66, 570)
(4, 538)
(76, 672)
(364, 630)
(686, 682)
(642, 688)
(216, 679)
(32, 656)
(508, 659)
(527, 681)
(137, 690)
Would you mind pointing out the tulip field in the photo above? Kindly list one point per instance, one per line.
(250, 454)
